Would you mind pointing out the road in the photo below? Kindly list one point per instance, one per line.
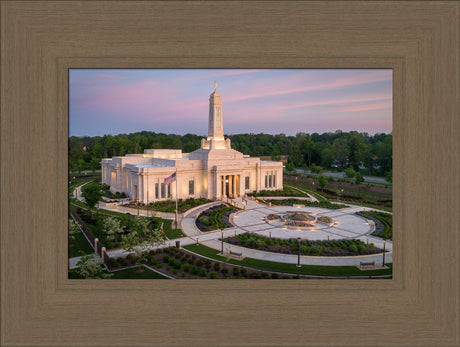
(369, 179)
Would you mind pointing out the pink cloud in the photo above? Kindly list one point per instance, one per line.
(366, 107)
(276, 87)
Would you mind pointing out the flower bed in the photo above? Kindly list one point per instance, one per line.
(179, 263)
(322, 204)
(335, 248)
(216, 217)
(325, 219)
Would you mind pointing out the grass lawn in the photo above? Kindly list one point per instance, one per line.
(171, 233)
(79, 244)
(131, 274)
(290, 268)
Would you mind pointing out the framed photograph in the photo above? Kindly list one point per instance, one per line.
(279, 173)
(42, 41)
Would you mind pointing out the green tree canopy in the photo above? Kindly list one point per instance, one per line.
(92, 193)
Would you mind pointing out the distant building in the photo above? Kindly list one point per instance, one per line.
(215, 171)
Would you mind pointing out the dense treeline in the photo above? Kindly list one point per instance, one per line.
(338, 149)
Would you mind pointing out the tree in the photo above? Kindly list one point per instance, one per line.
(389, 176)
(340, 151)
(112, 227)
(141, 238)
(92, 194)
(308, 148)
(350, 173)
(322, 182)
(358, 178)
(316, 169)
(290, 165)
(74, 229)
(90, 266)
(356, 154)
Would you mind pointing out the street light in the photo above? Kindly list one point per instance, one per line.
(128, 214)
(298, 252)
(222, 240)
(138, 208)
(384, 243)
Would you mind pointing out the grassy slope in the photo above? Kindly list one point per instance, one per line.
(290, 268)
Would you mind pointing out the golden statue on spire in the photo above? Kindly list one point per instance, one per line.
(215, 85)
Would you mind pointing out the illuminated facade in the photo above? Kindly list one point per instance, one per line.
(215, 171)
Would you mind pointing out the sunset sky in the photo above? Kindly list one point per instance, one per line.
(254, 101)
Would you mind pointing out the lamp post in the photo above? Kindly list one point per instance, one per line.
(384, 243)
(222, 241)
(298, 252)
(138, 208)
(128, 214)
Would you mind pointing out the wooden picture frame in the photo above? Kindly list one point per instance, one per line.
(418, 40)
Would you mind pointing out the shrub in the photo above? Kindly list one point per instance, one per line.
(352, 248)
(265, 275)
(186, 267)
(224, 270)
(257, 276)
(236, 271)
(113, 262)
(216, 266)
(183, 274)
(203, 272)
(207, 264)
(199, 262)
(275, 275)
(177, 264)
(194, 270)
(361, 249)
(175, 272)
(165, 258)
(212, 274)
(168, 268)
(286, 276)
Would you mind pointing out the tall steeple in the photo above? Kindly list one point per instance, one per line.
(215, 139)
(215, 127)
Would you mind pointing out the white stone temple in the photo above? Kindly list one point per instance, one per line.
(215, 171)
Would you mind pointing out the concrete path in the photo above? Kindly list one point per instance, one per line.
(73, 261)
(349, 226)
(251, 220)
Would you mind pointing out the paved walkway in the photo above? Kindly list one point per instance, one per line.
(348, 226)
(73, 261)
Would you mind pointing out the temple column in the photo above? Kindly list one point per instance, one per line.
(224, 191)
(234, 185)
(216, 185)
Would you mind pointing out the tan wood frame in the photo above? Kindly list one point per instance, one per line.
(41, 39)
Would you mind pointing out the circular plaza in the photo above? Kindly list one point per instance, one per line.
(308, 223)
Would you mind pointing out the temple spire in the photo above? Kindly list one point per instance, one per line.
(215, 86)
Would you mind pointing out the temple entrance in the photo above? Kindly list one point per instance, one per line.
(230, 186)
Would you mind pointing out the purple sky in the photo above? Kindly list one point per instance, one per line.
(287, 101)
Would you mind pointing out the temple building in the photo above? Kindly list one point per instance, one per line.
(215, 171)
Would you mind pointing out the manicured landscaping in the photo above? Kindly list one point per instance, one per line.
(79, 244)
(286, 191)
(333, 248)
(216, 217)
(170, 205)
(171, 233)
(138, 272)
(383, 223)
(314, 270)
(322, 204)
